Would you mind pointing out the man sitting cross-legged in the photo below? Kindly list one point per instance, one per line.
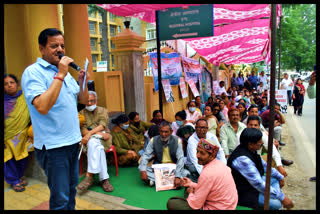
(215, 190)
(165, 148)
(96, 141)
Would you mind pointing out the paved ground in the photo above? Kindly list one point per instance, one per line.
(36, 197)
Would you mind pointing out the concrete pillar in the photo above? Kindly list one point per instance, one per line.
(129, 60)
(22, 26)
(77, 36)
(215, 72)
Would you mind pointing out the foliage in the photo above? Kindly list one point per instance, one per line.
(298, 37)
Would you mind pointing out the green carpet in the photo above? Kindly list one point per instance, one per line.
(128, 185)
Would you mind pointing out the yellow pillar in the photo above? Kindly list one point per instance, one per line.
(22, 26)
(129, 60)
(76, 36)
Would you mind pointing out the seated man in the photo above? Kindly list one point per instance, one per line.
(254, 122)
(192, 161)
(264, 105)
(165, 148)
(248, 170)
(215, 190)
(230, 130)
(97, 142)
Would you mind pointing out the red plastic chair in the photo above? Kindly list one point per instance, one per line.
(111, 149)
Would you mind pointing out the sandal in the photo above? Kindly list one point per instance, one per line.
(18, 187)
(106, 186)
(85, 183)
(23, 181)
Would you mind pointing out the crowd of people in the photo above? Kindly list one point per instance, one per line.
(219, 146)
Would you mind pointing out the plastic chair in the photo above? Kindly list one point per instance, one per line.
(111, 149)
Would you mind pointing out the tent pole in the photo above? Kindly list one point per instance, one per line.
(271, 103)
(279, 52)
(159, 62)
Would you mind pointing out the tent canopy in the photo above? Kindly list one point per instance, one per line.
(241, 31)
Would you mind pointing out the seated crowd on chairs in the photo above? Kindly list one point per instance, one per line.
(218, 147)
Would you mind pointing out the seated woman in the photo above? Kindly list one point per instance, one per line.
(243, 111)
(157, 117)
(127, 148)
(192, 114)
(181, 120)
(218, 114)
(152, 131)
(213, 124)
(137, 127)
(210, 101)
(248, 168)
(224, 109)
(16, 140)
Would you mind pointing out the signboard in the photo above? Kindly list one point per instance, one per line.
(186, 22)
(191, 68)
(183, 88)
(215, 85)
(167, 90)
(102, 66)
(193, 88)
(170, 68)
(281, 98)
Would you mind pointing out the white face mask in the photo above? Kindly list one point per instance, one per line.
(192, 109)
(91, 108)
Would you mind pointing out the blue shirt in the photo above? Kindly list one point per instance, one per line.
(253, 80)
(60, 126)
(240, 81)
(249, 170)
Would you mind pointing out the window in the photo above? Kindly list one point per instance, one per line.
(93, 44)
(112, 60)
(113, 29)
(92, 27)
(112, 17)
(112, 45)
(151, 34)
(101, 28)
(119, 29)
(94, 60)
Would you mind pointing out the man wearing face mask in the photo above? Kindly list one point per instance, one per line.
(137, 127)
(165, 148)
(97, 139)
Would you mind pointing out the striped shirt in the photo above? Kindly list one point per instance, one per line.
(249, 170)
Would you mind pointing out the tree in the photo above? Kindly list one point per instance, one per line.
(92, 8)
(298, 37)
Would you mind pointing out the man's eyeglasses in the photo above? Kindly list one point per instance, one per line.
(91, 101)
(201, 127)
(216, 109)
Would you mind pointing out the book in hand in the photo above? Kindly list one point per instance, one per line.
(164, 175)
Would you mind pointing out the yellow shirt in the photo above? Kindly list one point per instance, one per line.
(166, 156)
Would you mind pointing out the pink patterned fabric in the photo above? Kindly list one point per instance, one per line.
(241, 36)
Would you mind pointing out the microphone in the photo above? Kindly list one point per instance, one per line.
(72, 64)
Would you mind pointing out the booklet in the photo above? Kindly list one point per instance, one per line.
(164, 176)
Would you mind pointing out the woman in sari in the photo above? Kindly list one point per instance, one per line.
(213, 124)
(298, 96)
(16, 140)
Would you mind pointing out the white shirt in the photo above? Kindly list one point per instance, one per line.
(285, 83)
(175, 127)
(263, 79)
(192, 150)
(195, 116)
(220, 90)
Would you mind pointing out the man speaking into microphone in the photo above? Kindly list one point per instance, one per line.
(52, 94)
